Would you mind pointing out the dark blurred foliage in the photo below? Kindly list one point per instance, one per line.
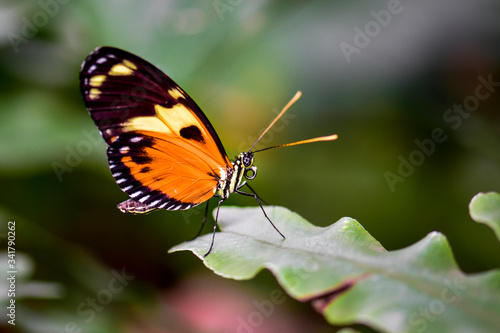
(242, 61)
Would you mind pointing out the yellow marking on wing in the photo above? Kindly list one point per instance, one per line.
(94, 93)
(175, 93)
(122, 69)
(96, 81)
(130, 64)
(176, 117)
(147, 124)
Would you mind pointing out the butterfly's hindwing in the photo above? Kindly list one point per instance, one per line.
(148, 169)
(162, 150)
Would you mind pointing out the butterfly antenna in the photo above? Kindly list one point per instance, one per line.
(322, 138)
(293, 100)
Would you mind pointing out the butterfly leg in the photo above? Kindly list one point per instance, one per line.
(203, 222)
(253, 191)
(215, 227)
(256, 197)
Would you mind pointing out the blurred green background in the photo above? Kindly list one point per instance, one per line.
(381, 74)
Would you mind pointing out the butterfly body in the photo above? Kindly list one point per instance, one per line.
(162, 150)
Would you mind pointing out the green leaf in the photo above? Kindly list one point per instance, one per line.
(485, 208)
(349, 277)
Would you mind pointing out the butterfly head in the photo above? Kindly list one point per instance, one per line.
(246, 161)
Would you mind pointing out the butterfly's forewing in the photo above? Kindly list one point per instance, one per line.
(162, 150)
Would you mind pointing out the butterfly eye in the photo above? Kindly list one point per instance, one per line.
(251, 172)
(247, 159)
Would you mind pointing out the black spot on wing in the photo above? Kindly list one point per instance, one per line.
(145, 170)
(159, 178)
(141, 157)
(192, 133)
(213, 175)
(146, 141)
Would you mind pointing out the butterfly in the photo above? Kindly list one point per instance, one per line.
(162, 150)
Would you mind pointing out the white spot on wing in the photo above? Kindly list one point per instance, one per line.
(101, 60)
(136, 139)
(136, 194)
(121, 180)
(124, 150)
(117, 174)
(144, 198)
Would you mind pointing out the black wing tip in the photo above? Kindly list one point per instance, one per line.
(106, 49)
(101, 51)
(91, 55)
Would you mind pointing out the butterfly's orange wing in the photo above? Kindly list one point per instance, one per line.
(162, 150)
